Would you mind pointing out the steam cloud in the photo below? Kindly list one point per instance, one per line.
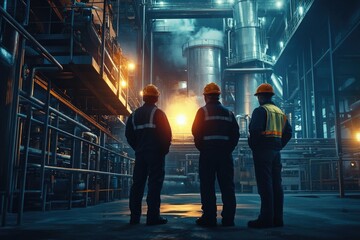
(184, 30)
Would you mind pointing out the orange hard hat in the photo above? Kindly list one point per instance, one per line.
(151, 90)
(264, 88)
(211, 88)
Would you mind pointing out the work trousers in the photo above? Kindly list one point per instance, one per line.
(151, 167)
(268, 166)
(214, 164)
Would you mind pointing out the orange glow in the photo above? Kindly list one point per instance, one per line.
(131, 66)
(123, 84)
(357, 136)
(181, 112)
(181, 119)
(141, 93)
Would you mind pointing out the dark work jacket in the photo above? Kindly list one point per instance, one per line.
(215, 128)
(148, 130)
(257, 126)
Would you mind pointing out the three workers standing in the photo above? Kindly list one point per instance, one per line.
(216, 134)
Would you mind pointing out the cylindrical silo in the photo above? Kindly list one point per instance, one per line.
(247, 55)
(204, 62)
(246, 31)
(246, 84)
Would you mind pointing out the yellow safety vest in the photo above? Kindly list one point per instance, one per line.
(275, 121)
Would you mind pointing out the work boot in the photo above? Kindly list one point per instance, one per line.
(227, 222)
(259, 224)
(134, 220)
(203, 222)
(156, 221)
(278, 223)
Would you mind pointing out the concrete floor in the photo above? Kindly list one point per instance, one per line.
(307, 216)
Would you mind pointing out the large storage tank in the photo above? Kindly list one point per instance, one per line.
(247, 55)
(204, 64)
(246, 85)
(246, 31)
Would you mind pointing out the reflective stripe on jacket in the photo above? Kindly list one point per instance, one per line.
(150, 123)
(275, 121)
(216, 118)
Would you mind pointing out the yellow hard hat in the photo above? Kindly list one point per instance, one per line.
(151, 90)
(211, 88)
(264, 88)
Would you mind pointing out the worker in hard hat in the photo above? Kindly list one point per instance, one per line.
(148, 132)
(269, 132)
(216, 134)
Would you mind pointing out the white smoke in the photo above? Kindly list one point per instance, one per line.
(208, 33)
(183, 31)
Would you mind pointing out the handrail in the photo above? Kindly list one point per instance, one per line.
(29, 37)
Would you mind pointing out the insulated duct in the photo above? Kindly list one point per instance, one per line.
(203, 64)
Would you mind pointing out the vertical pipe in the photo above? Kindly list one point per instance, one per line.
(11, 105)
(44, 144)
(314, 125)
(103, 29)
(143, 44)
(23, 166)
(72, 31)
(118, 19)
(151, 54)
(229, 44)
(336, 113)
(304, 100)
(54, 139)
(87, 174)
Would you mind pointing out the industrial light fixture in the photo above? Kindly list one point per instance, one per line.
(273, 58)
(279, 4)
(301, 10)
(281, 44)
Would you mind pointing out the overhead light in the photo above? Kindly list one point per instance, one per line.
(219, 2)
(273, 58)
(301, 10)
(281, 44)
(231, 1)
(279, 4)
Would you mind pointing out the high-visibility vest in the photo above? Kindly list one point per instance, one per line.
(275, 121)
(216, 118)
(149, 124)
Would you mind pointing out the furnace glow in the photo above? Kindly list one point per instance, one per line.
(181, 119)
(181, 111)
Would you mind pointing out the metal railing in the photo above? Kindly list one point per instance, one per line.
(294, 23)
(55, 142)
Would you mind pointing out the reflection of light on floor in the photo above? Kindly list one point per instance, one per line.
(191, 210)
(192, 207)
(181, 210)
